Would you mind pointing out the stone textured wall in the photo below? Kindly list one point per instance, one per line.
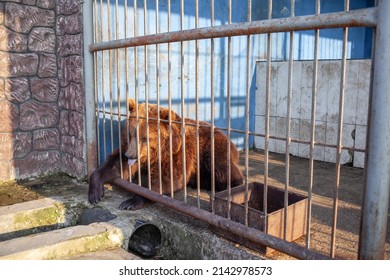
(41, 88)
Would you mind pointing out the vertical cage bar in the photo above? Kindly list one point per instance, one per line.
(183, 128)
(339, 137)
(229, 78)
(267, 117)
(118, 83)
(127, 86)
(158, 99)
(288, 129)
(147, 95)
(110, 76)
(197, 104)
(96, 66)
(373, 228)
(170, 103)
(136, 93)
(102, 79)
(212, 113)
(313, 127)
(90, 90)
(247, 105)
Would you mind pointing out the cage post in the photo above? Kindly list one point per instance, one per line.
(89, 85)
(377, 186)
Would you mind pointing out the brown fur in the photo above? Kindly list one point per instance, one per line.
(111, 168)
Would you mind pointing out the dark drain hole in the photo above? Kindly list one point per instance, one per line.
(145, 239)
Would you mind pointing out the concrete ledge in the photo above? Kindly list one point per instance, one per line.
(182, 236)
(35, 216)
(62, 243)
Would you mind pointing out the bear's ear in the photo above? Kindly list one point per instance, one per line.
(164, 115)
(131, 104)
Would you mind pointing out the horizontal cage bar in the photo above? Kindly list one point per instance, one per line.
(356, 18)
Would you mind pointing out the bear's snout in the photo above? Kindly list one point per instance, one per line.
(130, 159)
(129, 156)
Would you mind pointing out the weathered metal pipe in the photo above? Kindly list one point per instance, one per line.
(364, 17)
(89, 86)
(377, 190)
(223, 223)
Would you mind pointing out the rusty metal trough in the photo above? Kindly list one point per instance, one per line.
(271, 222)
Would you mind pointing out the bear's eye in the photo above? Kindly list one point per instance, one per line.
(144, 139)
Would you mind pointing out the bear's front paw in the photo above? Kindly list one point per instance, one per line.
(96, 190)
(134, 203)
(94, 196)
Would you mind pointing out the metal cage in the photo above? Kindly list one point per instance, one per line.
(185, 58)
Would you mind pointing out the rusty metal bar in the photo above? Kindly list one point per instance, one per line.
(229, 78)
(247, 105)
(183, 124)
(110, 76)
(374, 220)
(252, 234)
(288, 126)
(158, 99)
(267, 116)
(170, 104)
(127, 86)
(147, 96)
(356, 18)
(313, 127)
(339, 137)
(102, 78)
(118, 88)
(212, 95)
(90, 85)
(197, 104)
(135, 26)
(96, 71)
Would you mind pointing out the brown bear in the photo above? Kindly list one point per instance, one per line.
(110, 169)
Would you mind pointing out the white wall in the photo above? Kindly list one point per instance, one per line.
(327, 112)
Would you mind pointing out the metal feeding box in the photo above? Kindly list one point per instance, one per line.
(296, 213)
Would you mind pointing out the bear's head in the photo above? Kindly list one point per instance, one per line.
(147, 131)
